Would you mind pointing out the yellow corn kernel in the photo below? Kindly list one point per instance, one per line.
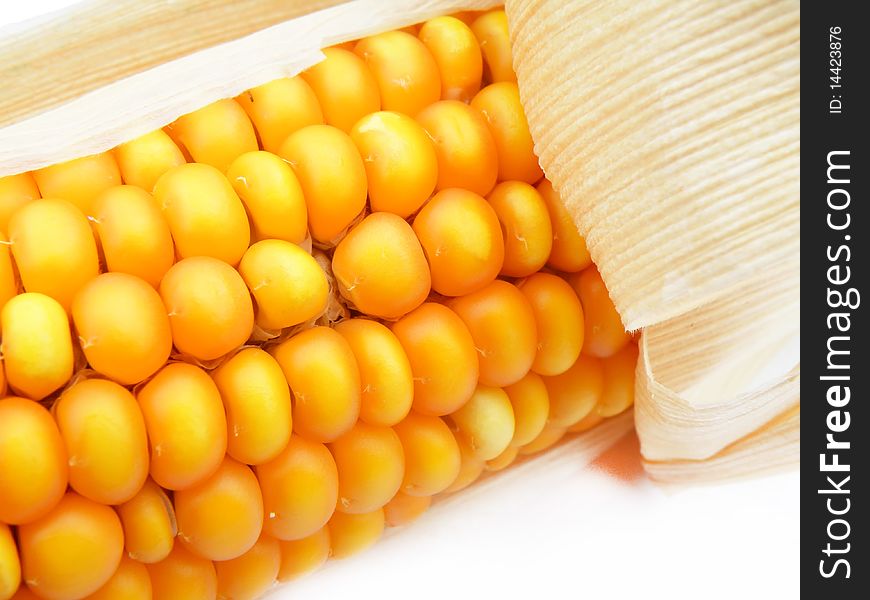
(462, 239)
(280, 107)
(385, 373)
(104, 433)
(350, 534)
(502, 325)
(500, 105)
(183, 574)
(486, 422)
(148, 519)
(122, 327)
(3, 387)
(300, 489)
(324, 378)
(73, 550)
(528, 234)
(403, 509)
(272, 195)
(8, 279)
(186, 425)
(10, 565)
(574, 393)
(130, 582)
(36, 345)
(216, 134)
(54, 249)
(549, 436)
(80, 180)
(491, 30)
(221, 518)
(143, 160)
(380, 267)
(531, 406)
(619, 373)
(559, 317)
(287, 283)
(606, 335)
(33, 463)
(406, 72)
(332, 176)
(569, 253)
(442, 355)
(133, 234)
(204, 213)
(371, 465)
(209, 306)
(15, 191)
(258, 404)
(399, 159)
(304, 555)
(344, 86)
(470, 469)
(457, 54)
(587, 422)
(248, 576)
(432, 458)
(503, 460)
(464, 146)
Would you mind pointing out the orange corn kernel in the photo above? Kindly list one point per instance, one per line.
(280, 107)
(300, 489)
(442, 355)
(404, 69)
(320, 367)
(104, 433)
(380, 267)
(304, 555)
(462, 239)
(432, 458)
(186, 424)
(73, 550)
(33, 462)
(80, 180)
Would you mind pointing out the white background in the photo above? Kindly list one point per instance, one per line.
(556, 529)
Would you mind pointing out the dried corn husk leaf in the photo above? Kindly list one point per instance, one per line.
(672, 130)
(781, 442)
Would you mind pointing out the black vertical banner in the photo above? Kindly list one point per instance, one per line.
(835, 224)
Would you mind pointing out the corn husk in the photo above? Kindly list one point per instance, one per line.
(672, 130)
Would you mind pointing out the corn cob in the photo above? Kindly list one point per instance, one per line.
(195, 402)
